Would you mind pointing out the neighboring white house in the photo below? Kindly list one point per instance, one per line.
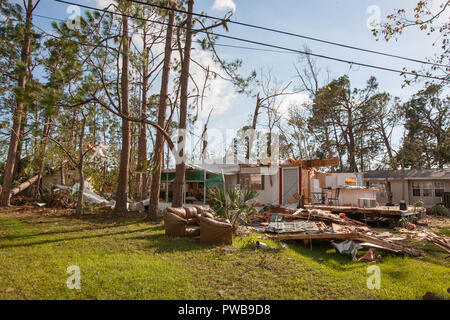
(430, 186)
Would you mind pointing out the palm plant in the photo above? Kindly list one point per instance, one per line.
(234, 205)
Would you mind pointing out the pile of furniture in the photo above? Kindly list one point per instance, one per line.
(197, 221)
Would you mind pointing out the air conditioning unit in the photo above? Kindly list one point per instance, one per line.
(367, 203)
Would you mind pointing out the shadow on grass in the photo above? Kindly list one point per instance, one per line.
(93, 220)
(170, 244)
(323, 252)
(24, 236)
(89, 217)
(43, 242)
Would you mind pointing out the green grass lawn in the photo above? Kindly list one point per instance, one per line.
(127, 258)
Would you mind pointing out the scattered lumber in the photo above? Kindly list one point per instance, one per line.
(356, 210)
(395, 247)
(441, 241)
(319, 215)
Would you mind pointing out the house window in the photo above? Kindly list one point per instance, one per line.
(251, 181)
(416, 189)
(439, 189)
(427, 189)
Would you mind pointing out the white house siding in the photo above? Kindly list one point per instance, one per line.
(396, 187)
(271, 190)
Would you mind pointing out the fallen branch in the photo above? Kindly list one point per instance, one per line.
(23, 186)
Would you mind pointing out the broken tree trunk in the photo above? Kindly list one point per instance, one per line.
(251, 138)
(23, 186)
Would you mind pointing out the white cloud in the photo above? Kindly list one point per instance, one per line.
(104, 3)
(220, 93)
(221, 5)
(297, 100)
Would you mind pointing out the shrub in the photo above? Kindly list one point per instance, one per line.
(419, 204)
(234, 204)
(440, 210)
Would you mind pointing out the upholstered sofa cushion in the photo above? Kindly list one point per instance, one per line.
(192, 231)
(207, 214)
(200, 210)
(191, 212)
(181, 212)
(192, 222)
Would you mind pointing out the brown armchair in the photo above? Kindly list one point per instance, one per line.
(198, 220)
(215, 232)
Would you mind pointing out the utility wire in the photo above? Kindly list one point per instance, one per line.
(402, 72)
(216, 44)
(289, 34)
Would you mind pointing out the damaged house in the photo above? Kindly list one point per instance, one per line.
(276, 185)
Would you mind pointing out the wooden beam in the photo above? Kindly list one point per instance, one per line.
(316, 163)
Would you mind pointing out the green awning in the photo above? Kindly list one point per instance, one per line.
(190, 176)
(195, 175)
(167, 176)
(215, 182)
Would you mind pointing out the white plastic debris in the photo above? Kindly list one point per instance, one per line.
(88, 195)
(99, 152)
(261, 244)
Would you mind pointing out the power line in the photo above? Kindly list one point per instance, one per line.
(251, 48)
(402, 72)
(291, 34)
(50, 18)
(216, 44)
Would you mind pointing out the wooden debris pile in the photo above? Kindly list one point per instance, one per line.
(319, 215)
(308, 225)
(317, 224)
(423, 234)
(441, 241)
(393, 246)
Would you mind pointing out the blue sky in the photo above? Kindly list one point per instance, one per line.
(339, 21)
